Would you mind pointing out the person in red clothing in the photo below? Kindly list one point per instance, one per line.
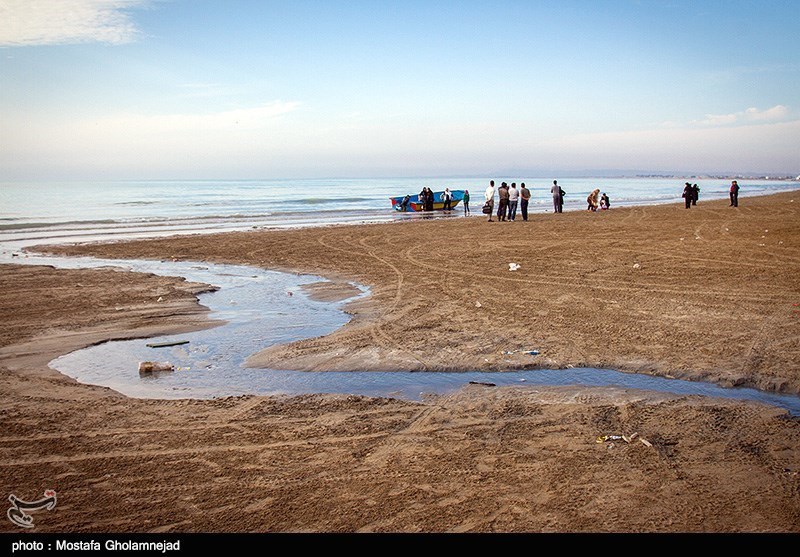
(734, 194)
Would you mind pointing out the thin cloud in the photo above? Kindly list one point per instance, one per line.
(50, 22)
(774, 114)
(777, 113)
(229, 120)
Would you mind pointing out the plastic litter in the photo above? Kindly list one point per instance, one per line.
(478, 305)
(513, 266)
(604, 438)
(645, 442)
(531, 352)
(627, 438)
(636, 266)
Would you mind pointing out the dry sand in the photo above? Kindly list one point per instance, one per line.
(704, 293)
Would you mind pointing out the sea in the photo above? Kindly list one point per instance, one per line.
(54, 212)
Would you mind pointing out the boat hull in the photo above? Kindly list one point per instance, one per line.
(415, 205)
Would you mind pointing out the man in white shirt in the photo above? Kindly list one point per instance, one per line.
(513, 197)
(489, 195)
(447, 197)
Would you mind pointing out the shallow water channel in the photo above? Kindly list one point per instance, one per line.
(259, 312)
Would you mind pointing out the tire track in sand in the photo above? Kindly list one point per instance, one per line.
(546, 279)
(185, 452)
(376, 329)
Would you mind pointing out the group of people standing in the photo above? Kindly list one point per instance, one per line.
(509, 199)
(690, 195)
(426, 198)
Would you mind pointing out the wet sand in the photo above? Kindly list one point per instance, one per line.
(614, 289)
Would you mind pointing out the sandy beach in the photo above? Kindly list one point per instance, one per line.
(706, 293)
(709, 293)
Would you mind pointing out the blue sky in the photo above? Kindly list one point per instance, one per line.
(128, 89)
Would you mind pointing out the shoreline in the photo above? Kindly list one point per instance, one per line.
(624, 291)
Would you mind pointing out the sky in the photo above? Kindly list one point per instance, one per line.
(240, 89)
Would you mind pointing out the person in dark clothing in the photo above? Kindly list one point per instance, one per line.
(558, 197)
(524, 197)
(404, 203)
(688, 195)
(429, 199)
(502, 206)
(605, 203)
(734, 194)
(695, 194)
(465, 201)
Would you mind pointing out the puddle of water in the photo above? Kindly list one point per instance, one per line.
(260, 313)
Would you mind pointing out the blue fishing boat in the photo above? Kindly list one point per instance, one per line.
(414, 204)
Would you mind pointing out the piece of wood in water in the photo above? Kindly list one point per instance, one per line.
(482, 383)
(163, 344)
